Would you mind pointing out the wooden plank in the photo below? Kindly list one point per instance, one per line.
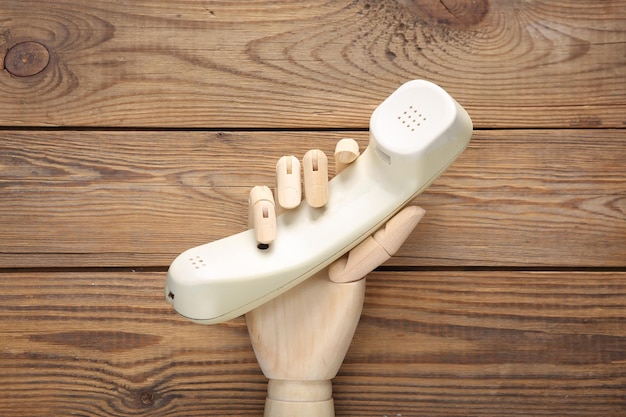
(324, 64)
(534, 198)
(429, 343)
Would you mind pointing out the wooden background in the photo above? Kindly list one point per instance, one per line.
(143, 133)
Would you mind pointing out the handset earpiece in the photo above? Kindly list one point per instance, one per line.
(419, 129)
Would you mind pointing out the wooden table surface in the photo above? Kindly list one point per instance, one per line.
(131, 131)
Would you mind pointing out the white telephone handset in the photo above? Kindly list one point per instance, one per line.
(415, 134)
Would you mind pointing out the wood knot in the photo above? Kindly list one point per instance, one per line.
(147, 398)
(452, 13)
(26, 59)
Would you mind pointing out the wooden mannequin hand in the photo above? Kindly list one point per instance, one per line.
(301, 337)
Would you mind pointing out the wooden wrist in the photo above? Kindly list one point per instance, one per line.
(286, 398)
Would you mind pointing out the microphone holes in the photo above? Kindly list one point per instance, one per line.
(197, 262)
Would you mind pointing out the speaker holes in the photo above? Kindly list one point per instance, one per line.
(412, 118)
(197, 262)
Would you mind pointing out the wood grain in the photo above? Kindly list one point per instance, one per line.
(139, 198)
(130, 131)
(320, 65)
(429, 343)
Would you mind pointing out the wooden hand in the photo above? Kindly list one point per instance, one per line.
(301, 337)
